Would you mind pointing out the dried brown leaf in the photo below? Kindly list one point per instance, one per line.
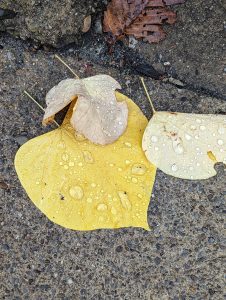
(141, 18)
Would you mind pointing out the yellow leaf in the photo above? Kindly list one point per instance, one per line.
(84, 186)
(186, 145)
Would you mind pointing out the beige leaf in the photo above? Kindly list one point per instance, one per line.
(86, 23)
(186, 145)
(97, 114)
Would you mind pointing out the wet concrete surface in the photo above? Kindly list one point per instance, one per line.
(183, 255)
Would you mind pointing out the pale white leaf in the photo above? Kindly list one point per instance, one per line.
(97, 114)
(186, 145)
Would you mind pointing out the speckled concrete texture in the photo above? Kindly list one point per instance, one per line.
(182, 257)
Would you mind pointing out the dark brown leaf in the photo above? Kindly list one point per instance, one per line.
(141, 18)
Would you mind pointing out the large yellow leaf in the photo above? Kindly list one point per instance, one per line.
(84, 186)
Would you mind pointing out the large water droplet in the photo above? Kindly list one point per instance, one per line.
(93, 185)
(202, 127)
(102, 207)
(177, 147)
(76, 192)
(88, 157)
(124, 200)
(71, 164)
(154, 139)
(221, 130)
(65, 167)
(174, 167)
(193, 127)
(80, 164)
(134, 179)
(139, 196)
(65, 156)
(220, 142)
(188, 137)
(138, 169)
(127, 162)
(89, 200)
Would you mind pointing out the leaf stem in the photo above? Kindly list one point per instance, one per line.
(66, 65)
(39, 105)
(148, 96)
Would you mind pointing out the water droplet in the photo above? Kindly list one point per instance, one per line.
(198, 164)
(196, 137)
(128, 144)
(178, 148)
(37, 182)
(221, 130)
(174, 168)
(102, 207)
(88, 157)
(65, 156)
(154, 139)
(113, 211)
(138, 169)
(214, 134)
(80, 164)
(76, 192)
(61, 145)
(119, 169)
(65, 167)
(188, 137)
(93, 185)
(71, 164)
(124, 200)
(221, 150)
(60, 163)
(191, 168)
(193, 127)
(79, 137)
(220, 142)
(89, 200)
(111, 165)
(127, 162)
(198, 121)
(139, 196)
(202, 127)
(156, 148)
(191, 177)
(134, 179)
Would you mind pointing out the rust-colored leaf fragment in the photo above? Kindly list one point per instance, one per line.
(141, 18)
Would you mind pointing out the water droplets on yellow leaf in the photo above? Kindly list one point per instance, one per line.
(84, 186)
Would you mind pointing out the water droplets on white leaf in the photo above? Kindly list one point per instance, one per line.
(187, 139)
(97, 114)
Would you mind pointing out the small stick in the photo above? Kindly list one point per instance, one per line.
(149, 98)
(36, 102)
(66, 65)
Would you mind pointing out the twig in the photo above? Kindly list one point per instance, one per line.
(149, 98)
(26, 93)
(66, 65)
